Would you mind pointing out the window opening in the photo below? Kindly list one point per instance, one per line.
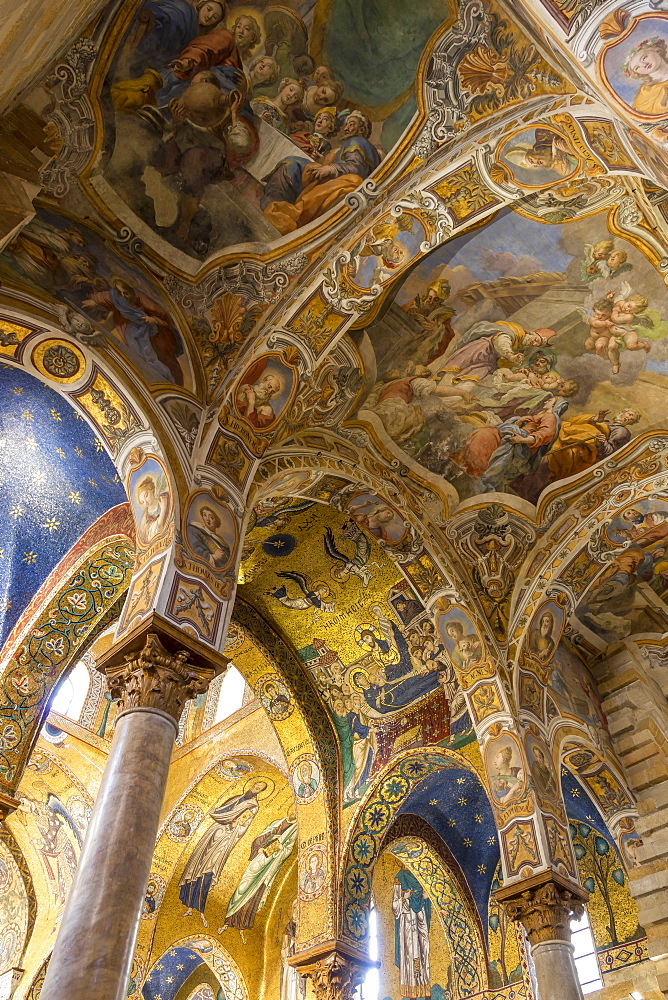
(231, 695)
(370, 987)
(586, 961)
(71, 692)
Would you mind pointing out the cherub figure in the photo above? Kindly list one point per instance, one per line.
(612, 323)
(603, 260)
(547, 380)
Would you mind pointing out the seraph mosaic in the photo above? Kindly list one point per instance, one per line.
(230, 123)
(508, 371)
(56, 481)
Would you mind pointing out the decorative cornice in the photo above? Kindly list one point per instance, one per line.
(336, 971)
(159, 666)
(544, 904)
(7, 805)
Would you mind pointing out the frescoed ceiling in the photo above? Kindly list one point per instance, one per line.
(347, 321)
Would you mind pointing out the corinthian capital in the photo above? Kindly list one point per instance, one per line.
(149, 670)
(334, 972)
(544, 904)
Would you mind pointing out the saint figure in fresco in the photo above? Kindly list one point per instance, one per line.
(648, 62)
(487, 346)
(468, 650)
(542, 773)
(298, 191)
(508, 780)
(582, 441)
(548, 152)
(152, 494)
(143, 326)
(268, 853)
(253, 398)
(202, 871)
(206, 540)
(412, 917)
(433, 317)
(541, 639)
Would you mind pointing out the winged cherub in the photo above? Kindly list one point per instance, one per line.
(345, 566)
(613, 323)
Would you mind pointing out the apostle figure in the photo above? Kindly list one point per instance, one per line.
(268, 852)
(412, 917)
(253, 398)
(541, 639)
(204, 535)
(144, 326)
(203, 868)
(487, 346)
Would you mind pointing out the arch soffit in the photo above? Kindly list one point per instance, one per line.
(365, 837)
(78, 600)
(470, 962)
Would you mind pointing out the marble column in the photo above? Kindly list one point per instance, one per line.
(92, 957)
(544, 904)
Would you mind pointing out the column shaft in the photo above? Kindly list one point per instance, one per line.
(93, 953)
(556, 974)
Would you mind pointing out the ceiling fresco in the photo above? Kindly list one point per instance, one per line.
(507, 371)
(297, 106)
(333, 336)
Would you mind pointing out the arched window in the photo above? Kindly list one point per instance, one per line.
(586, 962)
(71, 692)
(231, 694)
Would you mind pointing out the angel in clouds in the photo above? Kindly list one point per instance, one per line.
(314, 595)
(346, 566)
(603, 260)
(614, 322)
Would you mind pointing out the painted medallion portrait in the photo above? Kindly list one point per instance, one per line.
(641, 524)
(386, 250)
(460, 636)
(506, 770)
(264, 391)
(211, 532)
(634, 67)
(544, 633)
(151, 500)
(538, 157)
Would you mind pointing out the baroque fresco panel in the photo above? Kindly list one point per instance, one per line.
(233, 123)
(504, 370)
(101, 300)
(629, 592)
